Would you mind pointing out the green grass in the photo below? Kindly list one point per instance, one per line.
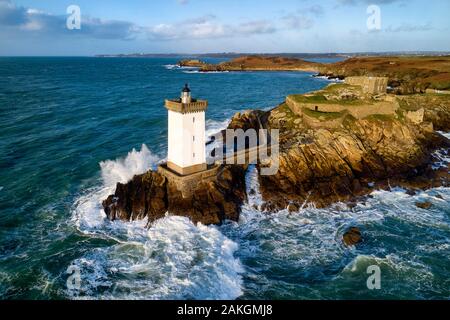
(323, 116)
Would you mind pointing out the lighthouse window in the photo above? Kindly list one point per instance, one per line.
(193, 155)
(193, 120)
(193, 138)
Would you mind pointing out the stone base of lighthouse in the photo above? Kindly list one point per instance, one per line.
(184, 171)
(187, 182)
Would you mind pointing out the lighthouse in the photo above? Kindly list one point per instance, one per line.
(186, 138)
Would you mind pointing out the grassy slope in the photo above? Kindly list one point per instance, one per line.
(411, 72)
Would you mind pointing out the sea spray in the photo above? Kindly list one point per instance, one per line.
(122, 170)
(173, 259)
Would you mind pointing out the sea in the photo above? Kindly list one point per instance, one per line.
(72, 127)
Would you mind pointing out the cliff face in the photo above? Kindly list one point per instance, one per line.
(323, 166)
(151, 196)
(318, 164)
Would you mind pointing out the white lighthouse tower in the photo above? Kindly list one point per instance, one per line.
(186, 154)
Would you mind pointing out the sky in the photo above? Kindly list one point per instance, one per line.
(35, 28)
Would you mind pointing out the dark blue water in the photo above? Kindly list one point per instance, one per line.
(68, 130)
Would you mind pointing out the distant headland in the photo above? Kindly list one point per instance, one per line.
(232, 55)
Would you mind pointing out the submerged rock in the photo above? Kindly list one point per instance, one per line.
(352, 236)
(424, 205)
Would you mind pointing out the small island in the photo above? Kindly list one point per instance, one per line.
(336, 145)
(262, 63)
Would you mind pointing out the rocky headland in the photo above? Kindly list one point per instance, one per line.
(192, 63)
(336, 144)
(262, 63)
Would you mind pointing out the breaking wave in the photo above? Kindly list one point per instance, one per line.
(283, 255)
(173, 259)
(301, 255)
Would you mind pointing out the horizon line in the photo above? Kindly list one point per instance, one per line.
(406, 52)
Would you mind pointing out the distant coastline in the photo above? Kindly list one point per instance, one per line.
(299, 55)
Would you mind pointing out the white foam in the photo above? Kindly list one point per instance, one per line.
(122, 170)
(170, 66)
(177, 260)
(174, 259)
(213, 127)
(204, 72)
(334, 80)
(1, 188)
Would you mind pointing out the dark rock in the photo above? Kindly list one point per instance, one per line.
(151, 195)
(293, 207)
(336, 163)
(352, 236)
(410, 192)
(424, 205)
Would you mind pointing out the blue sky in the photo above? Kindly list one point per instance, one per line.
(30, 27)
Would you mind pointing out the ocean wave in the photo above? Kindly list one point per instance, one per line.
(205, 72)
(441, 156)
(336, 80)
(176, 66)
(173, 259)
(171, 66)
(213, 127)
(305, 249)
(122, 170)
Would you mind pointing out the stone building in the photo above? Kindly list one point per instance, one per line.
(371, 85)
(186, 141)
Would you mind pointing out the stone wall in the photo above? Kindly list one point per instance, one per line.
(317, 123)
(187, 184)
(357, 111)
(372, 85)
(437, 91)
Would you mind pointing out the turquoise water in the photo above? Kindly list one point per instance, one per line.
(73, 127)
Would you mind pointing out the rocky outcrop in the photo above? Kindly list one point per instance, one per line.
(424, 205)
(352, 237)
(316, 165)
(151, 196)
(263, 63)
(326, 165)
(192, 63)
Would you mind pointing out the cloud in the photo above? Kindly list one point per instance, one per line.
(255, 27)
(10, 15)
(367, 2)
(316, 10)
(34, 21)
(410, 28)
(207, 27)
(31, 20)
(297, 21)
